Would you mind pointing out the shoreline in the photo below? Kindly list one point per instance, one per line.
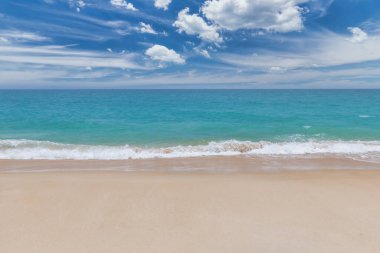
(213, 164)
(25, 149)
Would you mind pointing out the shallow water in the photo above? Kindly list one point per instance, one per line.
(118, 124)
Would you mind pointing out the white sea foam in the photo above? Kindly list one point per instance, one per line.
(29, 149)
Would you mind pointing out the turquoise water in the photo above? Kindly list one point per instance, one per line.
(169, 118)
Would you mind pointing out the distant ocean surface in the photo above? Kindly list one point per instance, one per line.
(125, 124)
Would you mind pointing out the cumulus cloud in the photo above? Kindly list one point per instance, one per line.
(146, 28)
(196, 25)
(123, 4)
(162, 4)
(270, 15)
(358, 35)
(163, 54)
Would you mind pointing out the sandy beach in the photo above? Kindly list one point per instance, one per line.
(246, 211)
(214, 126)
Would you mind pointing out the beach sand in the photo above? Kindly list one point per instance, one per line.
(244, 211)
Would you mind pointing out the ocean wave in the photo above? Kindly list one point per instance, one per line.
(366, 116)
(30, 149)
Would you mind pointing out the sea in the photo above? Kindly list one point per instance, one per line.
(144, 124)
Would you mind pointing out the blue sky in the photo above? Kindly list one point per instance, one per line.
(190, 44)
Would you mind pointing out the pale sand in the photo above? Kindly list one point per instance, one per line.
(310, 211)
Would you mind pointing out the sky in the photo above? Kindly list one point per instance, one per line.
(280, 44)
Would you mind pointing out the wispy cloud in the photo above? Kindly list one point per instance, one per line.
(123, 5)
(20, 36)
(311, 78)
(324, 49)
(66, 56)
(319, 7)
(218, 45)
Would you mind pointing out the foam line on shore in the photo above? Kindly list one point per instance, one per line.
(31, 149)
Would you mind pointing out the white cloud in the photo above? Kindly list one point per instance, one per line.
(163, 54)
(270, 15)
(358, 35)
(319, 7)
(146, 28)
(227, 78)
(196, 25)
(371, 25)
(162, 4)
(15, 76)
(320, 50)
(202, 52)
(66, 57)
(123, 4)
(20, 36)
(81, 3)
(4, 40)
(114, 23)
(77, 4)
(276, 69)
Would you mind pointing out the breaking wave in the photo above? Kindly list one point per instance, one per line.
(30, 149)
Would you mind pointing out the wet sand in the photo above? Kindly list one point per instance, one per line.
(198, 164)
(73, 209)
